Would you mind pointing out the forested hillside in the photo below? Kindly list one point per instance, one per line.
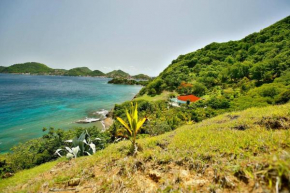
(141, 77)
(118, 74)
(252, 72)
(80, 71)
(232, 70)
(1, 68)
(41, 69)
(97, 73)
(28, 67)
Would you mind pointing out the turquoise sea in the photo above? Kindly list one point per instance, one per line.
(29, 103)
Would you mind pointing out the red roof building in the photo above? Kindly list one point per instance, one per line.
(191, 98)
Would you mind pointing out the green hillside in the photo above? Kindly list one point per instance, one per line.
(141, 77)
(216, 155)
(38, 68)
(80, 71)
(231, 67)
(117, 74)
(227, 77)
(59, 72)
(28, 67)
(2, 68)
(97, 73)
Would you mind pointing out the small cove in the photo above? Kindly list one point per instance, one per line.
(29, 103)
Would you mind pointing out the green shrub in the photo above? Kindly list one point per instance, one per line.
(283, 97)
(152, 92)
(38, 151)
(218, 103)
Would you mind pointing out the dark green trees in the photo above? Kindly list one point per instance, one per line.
(260, 57)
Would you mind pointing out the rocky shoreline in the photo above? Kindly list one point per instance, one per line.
(104, 116)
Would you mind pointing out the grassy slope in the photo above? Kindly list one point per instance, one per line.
(211, 155)
(163, 96)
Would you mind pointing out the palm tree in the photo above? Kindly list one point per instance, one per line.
(134, 125)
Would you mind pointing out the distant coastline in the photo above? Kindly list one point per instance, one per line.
(33, 74)
(54, 101)
(35, 68)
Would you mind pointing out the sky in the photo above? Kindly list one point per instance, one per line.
(132, 35)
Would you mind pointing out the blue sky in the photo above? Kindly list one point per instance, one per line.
(132, 35)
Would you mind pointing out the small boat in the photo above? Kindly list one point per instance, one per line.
(87, 120)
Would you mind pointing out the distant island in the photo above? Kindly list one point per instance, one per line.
(118, 74)
(36, 68)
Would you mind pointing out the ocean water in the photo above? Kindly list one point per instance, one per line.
(29, 103)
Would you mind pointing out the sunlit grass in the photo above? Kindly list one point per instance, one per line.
(25, 175)
(163, 96)
(232, 145)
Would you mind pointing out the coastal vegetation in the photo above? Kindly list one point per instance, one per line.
(235, 138)
(141, 77)
(247, 150)
(80, 146)
(41, 150)
(128, 81)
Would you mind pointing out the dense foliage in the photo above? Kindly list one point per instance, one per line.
(141, 77)
(162, 117)
(2, 68)
(236, 75)
(127, 81)
(230, 69)
(28, 67)
(37, 151)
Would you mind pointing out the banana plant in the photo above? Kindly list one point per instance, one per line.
(133, 126)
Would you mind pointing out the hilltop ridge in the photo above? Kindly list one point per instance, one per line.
(28, 67)
(118, 74)
(42, 69)
(259, 57)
